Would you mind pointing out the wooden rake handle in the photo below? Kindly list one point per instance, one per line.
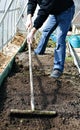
(31, 78)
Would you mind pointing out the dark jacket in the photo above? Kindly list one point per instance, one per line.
(47, 7)
(32, 4)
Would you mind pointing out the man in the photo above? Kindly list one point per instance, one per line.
(62, 11)
(47, 30)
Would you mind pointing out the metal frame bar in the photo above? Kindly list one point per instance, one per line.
(21, 14)
(3, 11)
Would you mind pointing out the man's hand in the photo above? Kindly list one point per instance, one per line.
(30, 36)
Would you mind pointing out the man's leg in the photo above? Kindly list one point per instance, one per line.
(64, 22)
(48, 29)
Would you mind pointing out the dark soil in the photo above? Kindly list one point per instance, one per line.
(61, 95)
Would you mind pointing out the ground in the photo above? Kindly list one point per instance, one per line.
(61, 95)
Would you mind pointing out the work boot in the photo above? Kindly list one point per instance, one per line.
(56, 73)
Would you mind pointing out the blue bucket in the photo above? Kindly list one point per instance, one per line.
(75, 41)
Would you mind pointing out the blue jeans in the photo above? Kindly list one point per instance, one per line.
(62, 24)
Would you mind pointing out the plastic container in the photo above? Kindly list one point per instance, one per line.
(53, 37)
(74, 40)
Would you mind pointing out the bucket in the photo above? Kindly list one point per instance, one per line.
(75, 41)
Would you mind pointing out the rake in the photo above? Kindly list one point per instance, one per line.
(33, 111)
